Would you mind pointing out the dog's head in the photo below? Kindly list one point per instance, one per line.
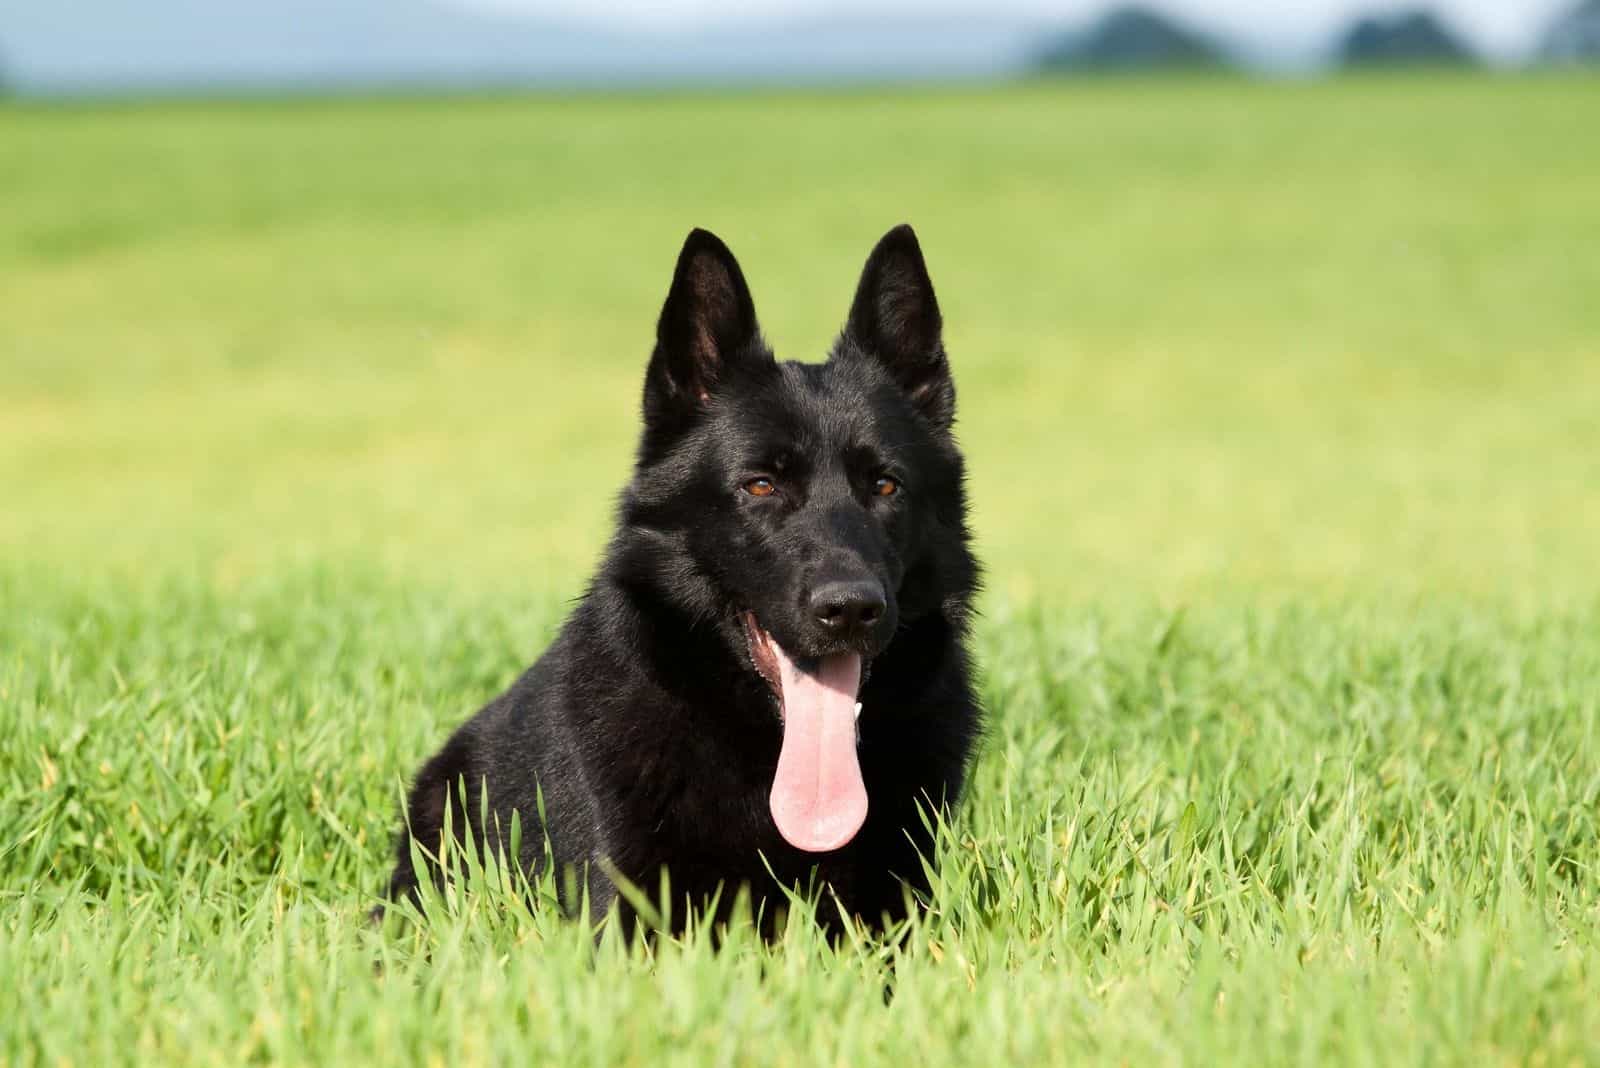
(807, 510)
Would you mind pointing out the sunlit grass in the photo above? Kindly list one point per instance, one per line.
(1283, 405)
(1325, 830)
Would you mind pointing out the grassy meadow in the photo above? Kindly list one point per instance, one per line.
(1283, 410)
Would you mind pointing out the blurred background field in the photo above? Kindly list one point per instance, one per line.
(1282, 402)
(1209, 334)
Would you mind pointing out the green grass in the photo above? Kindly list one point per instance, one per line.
(1283, 405)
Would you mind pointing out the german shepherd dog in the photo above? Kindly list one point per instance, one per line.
(767, 684)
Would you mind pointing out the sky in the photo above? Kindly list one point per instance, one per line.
(73, 46)
(1500, 27)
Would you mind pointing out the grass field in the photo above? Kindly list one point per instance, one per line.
(1283, 406)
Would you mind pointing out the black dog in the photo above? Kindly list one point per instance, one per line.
(769, 675)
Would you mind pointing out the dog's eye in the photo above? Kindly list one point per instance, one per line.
(886, 487)
(760, 487)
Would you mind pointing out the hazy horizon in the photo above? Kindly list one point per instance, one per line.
(108, 46)
(1498, 28)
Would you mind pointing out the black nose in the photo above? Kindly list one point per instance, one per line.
(844, 607)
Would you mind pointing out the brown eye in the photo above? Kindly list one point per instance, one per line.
(760, 487)
(886, 487)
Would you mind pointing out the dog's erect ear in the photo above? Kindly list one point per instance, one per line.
(895, 319)
(707, 327)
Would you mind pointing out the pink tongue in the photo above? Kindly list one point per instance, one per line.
(818, 799)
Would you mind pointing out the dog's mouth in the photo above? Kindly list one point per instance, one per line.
(818, 798)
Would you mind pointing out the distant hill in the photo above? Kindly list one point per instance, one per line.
(1414, 38)
(1573, 37)
(1128, 39)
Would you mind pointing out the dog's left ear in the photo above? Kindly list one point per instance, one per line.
(895, 320)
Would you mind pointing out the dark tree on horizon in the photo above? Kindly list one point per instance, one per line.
(1132, 39)
(1573, 36)
(1412, 38)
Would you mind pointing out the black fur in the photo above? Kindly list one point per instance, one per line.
(646, 726)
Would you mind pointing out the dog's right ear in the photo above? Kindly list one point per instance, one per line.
(707, 328)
